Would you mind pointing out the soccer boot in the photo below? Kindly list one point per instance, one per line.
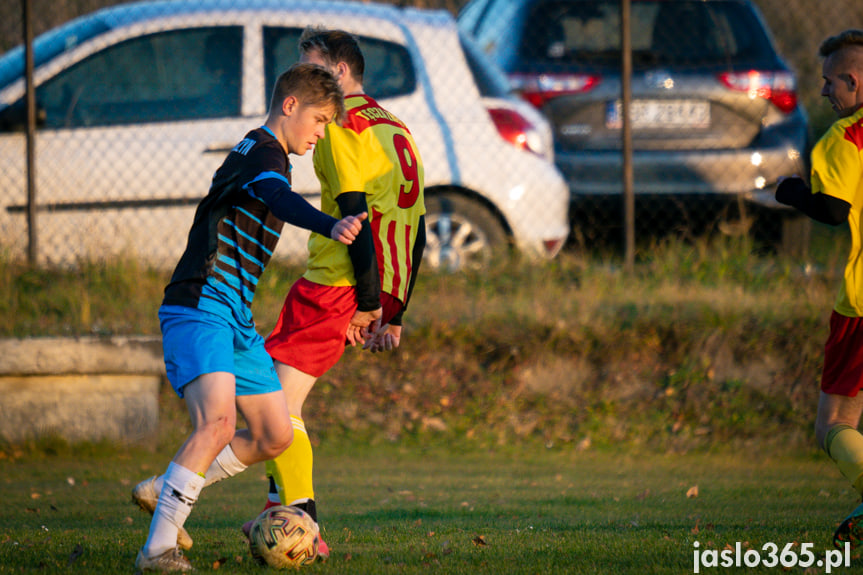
(850, 530)
(170, 561)
(323, 548)
(145, 496)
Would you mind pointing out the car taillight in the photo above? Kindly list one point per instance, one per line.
(778, 87)
(540, 88)
(516, 129)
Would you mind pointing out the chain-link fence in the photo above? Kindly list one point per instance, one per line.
(137, 108)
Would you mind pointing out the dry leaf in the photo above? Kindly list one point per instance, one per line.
(479, 541)
(692, 492)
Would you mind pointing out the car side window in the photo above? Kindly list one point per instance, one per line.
(167, 76)
(389, 68)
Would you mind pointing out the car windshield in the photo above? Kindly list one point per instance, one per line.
(679, 34)
(48, 46)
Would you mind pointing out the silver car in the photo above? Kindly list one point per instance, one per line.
(138, 105)
(715, 114)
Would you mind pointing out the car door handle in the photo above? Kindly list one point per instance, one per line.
(219, 148)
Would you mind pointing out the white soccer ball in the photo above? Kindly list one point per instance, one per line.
(283, 537)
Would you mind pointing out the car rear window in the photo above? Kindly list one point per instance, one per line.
(688, 33)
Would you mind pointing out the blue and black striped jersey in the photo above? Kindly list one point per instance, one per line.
(234, 231)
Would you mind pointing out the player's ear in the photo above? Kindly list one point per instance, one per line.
(289, 105)
(341, 70)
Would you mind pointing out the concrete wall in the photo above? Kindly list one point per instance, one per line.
(81, 389)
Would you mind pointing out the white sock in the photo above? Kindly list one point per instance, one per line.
(225, 465)
(180, 491)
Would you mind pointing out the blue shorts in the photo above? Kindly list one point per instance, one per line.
(197, 342)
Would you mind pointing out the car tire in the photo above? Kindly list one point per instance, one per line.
(461, 234)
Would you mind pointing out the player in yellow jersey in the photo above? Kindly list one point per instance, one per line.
(836, 197)
(368, 164)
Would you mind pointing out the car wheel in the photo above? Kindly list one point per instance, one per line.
(461, 234)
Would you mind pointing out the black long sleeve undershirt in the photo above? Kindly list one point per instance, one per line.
(820, 207)
(362, 253)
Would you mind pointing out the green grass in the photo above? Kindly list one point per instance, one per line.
(537, 419)
(399, 510)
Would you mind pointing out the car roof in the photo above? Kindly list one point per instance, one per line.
(135, 12)
(74, 32)
(132, 12)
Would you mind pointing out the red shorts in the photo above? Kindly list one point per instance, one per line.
(843, 356)
(310, 332)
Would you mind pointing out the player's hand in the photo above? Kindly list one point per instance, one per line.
(347, 228)
(387, 338)
(363, 323)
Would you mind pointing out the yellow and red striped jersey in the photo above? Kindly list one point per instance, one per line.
(372, 152)
(837, 170)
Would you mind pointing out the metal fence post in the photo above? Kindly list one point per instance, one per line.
(32, 236)
(626, 134)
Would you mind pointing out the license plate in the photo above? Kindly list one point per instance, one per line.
(660, 114)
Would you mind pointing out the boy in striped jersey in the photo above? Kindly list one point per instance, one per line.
(354, 294)
(215, 358)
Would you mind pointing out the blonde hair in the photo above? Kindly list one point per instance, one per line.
(310, 84)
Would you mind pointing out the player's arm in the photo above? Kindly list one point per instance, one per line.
(822, 207)
(290, 207)
(362, 254)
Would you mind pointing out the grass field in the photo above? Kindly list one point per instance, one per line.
(677, 403)
(393, 509)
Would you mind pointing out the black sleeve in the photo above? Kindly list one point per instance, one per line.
(263, 174)
(416, 260)
(292, 208)
(820, 207)
(362, 252)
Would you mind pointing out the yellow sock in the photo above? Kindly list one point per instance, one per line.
(292, 470)
(844, 445)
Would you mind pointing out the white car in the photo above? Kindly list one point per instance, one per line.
(139, 104)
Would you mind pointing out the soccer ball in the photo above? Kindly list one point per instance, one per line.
(284, 536)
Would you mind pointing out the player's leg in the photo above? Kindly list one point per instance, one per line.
(292, 470)
(839, 410)
(210, 401)
(262, 402)
(309, 338)
(198, 351)
(836, 431)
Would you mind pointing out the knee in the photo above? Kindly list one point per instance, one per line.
(274, 444)
(221, 431)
